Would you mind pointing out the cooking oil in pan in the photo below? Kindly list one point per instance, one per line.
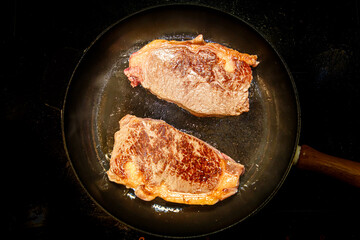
(241, 137)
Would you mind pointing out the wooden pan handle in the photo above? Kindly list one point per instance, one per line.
(342, 169)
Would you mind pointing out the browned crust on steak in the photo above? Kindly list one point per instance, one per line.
(157, 160)
(207, 79)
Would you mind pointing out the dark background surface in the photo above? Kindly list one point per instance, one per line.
(42, 42)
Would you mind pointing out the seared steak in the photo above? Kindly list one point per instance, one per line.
(207, 79)
(157, 160)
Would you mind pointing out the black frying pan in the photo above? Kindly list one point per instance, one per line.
(99, 95)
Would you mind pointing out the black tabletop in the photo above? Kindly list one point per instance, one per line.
(41, 45)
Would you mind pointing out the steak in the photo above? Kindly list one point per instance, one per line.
(157, 160)
(207, 79)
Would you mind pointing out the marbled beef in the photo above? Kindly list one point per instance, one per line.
(157, 160)
(207, 79)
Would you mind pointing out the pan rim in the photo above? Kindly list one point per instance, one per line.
(200, 6)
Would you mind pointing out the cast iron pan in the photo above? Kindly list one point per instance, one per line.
(99, 95)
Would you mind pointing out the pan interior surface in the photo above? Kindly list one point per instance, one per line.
(99, 95)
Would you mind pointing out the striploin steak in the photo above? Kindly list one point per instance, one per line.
(207, 79)
(157, 160)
